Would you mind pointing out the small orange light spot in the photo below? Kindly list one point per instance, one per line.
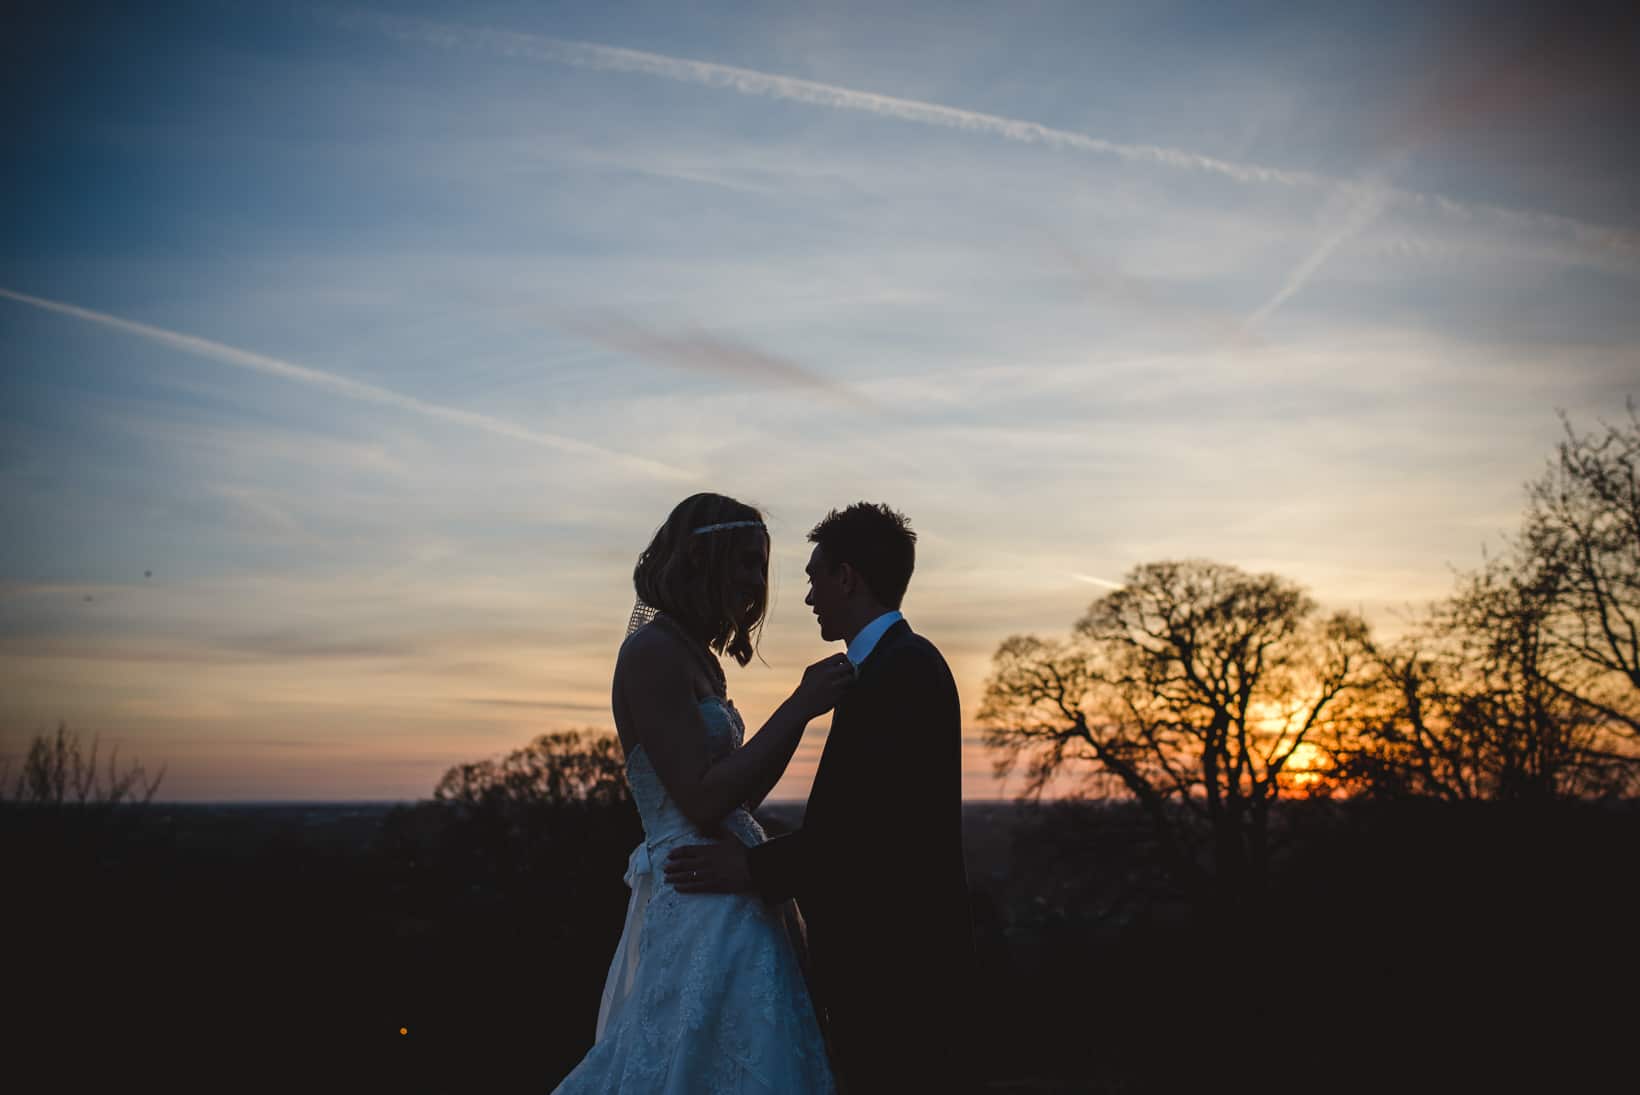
(404, 1030)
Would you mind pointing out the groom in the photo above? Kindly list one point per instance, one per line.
(877, 864)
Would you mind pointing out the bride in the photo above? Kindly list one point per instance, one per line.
(705, 993)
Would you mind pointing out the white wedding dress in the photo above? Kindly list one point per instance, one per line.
(705, 993)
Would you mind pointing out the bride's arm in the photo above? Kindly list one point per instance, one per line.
(784, 742)
(654, 677)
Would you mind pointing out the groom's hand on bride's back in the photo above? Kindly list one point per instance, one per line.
(719, 867)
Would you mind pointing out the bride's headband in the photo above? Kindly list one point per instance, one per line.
(727, 524)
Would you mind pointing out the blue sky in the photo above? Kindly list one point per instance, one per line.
(348, 355)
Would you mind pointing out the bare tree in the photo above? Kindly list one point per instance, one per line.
(1404, 743)
(1203, 691)
(59, 771)
(1524, 684)
(1582, 525)
(1480, 701)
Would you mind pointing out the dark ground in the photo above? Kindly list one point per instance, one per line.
(1411, 946)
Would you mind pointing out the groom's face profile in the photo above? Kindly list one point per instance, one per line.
(828, 594)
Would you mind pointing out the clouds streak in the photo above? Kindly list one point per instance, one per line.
(751, 82)
(698, 351)
(352, 389)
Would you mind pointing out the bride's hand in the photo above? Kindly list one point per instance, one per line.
(823, 684)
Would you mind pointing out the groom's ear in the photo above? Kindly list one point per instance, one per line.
(847, 579)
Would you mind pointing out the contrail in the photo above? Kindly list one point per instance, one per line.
(1370, 199)
(1495, 69)
(747, 81)
(1091, 580)
(353, 389)
(752, 82)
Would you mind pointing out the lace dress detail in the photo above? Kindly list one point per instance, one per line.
(710, 997)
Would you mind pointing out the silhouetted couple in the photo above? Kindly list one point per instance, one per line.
(708, 990)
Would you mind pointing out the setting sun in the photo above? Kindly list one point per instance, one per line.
(1305, 768)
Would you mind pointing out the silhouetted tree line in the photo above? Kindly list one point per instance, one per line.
(1207, 695)
(574, 767)
(543, 823)
(242, 945)
(1308, 858)
(513, 869)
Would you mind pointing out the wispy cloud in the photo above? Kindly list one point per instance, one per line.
(598, 709)
(752, 82)
(1144, 294)
(265, 511)
(353, 389)
(294, 644)
(699, 351)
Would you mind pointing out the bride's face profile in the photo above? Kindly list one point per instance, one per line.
(751, 573)
(707, 568)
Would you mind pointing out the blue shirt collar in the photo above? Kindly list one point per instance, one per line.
(866, 641)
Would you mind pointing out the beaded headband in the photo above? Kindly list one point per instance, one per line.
(728, 524)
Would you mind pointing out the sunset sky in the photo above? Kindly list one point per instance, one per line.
(349, 355)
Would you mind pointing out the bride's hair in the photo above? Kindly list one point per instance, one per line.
(687, 572)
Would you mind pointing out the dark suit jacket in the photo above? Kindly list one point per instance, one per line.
(877, 867)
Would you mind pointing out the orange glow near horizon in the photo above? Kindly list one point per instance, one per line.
(1305, 770)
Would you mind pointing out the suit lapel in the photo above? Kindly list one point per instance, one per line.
(839, 760)
(891, 638)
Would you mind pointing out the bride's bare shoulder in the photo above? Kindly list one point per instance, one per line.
(649, 648)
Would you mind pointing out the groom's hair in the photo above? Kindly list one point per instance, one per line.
(689, 575)
(876, 541)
